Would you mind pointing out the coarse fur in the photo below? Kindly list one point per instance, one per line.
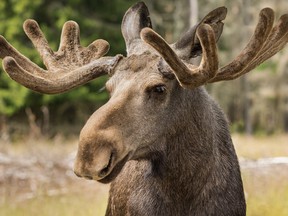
(160, 140)
(193, 170)
(181, 157)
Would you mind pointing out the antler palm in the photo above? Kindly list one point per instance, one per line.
(72, 65)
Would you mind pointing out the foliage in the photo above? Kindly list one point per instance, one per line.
(94, 22)
(255, 104)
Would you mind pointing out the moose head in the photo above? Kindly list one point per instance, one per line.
(149, 88)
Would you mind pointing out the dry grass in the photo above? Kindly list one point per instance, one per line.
(260, 147)
(70, 204)
(54, 194)
(266, 189)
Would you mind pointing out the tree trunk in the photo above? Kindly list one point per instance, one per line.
(193, 12)
(35, 131)
(4, 129)
(46, 120)
(245, 83)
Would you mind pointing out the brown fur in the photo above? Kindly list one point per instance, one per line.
(181, 157)
(166, 149)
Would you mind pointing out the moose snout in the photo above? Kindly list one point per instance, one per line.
(100, 147)
(93, 163)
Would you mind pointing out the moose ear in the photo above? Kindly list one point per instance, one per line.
(135, 19)
(188, 46)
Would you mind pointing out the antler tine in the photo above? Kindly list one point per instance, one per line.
(188, 46)
(70, 41)
(189, 76)
(72, 65)
(70, 36)
(69, 44)
(264, 43)
(96, 49)
(276, 41)
(44, 83)
(277, 33)
(8, 50)
(39, 41)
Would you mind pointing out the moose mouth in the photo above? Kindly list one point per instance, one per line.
(113, 171)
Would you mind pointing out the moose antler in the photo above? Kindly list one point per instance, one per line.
(266, 41)
(71, 66)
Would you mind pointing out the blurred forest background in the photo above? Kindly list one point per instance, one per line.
(256, 103)
(39, 133)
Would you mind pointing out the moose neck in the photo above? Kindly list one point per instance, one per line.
(194, 170)
(200, 154)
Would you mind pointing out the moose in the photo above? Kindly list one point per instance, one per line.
(161, 140)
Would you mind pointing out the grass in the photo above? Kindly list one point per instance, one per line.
(60, 205)
(254, 147)
(79, 197)
(266, 194)
(266, 189)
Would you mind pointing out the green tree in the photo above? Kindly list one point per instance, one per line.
(97, 19)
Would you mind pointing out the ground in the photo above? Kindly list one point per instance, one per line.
(37, 178)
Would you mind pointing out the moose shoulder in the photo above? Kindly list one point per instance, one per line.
(160, 140)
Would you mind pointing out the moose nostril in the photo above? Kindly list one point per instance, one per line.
(84, 176)
(77, 174)
(103, 172)
(88, 177)
(106, 169)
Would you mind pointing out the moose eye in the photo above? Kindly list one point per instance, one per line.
(157, 92)
(159, 89)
